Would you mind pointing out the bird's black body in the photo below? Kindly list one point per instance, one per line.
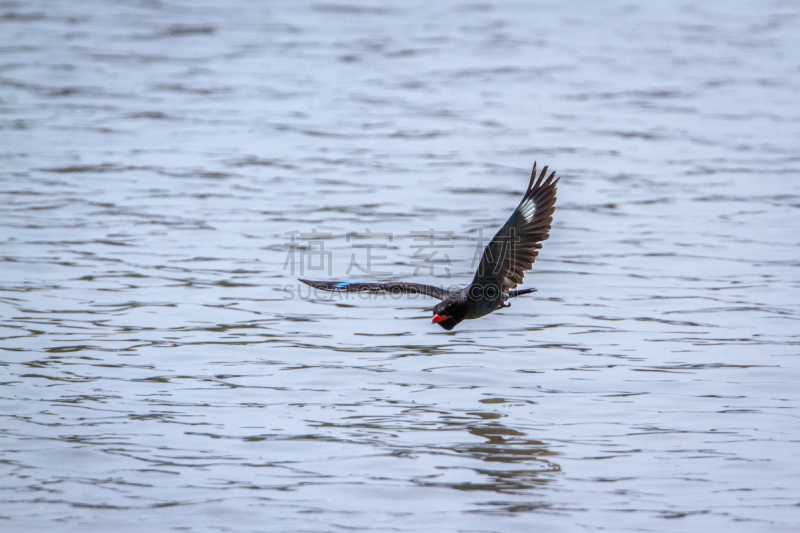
(506, 258)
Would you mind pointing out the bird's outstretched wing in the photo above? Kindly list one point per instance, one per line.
(391, 287)
(515, 247)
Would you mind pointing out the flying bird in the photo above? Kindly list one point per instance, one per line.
(505, 260)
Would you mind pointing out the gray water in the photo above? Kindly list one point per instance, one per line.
(160, 371)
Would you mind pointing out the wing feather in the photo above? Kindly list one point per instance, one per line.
(515, 247)
(392, 286)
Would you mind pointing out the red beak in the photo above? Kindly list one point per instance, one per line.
(439, 318)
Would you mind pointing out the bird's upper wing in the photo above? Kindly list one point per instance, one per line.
(392, 287)
(515, 247)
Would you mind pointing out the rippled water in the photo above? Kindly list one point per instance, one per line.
(157, 375)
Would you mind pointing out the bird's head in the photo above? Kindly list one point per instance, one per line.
(449, 312)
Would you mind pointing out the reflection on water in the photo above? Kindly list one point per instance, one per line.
(156, 376)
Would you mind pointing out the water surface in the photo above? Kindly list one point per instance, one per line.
(155, 376)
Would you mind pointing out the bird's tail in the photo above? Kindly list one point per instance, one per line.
(514, 294)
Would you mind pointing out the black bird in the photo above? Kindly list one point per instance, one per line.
(505, 259)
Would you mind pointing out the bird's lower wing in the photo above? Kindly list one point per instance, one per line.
(391, 287)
